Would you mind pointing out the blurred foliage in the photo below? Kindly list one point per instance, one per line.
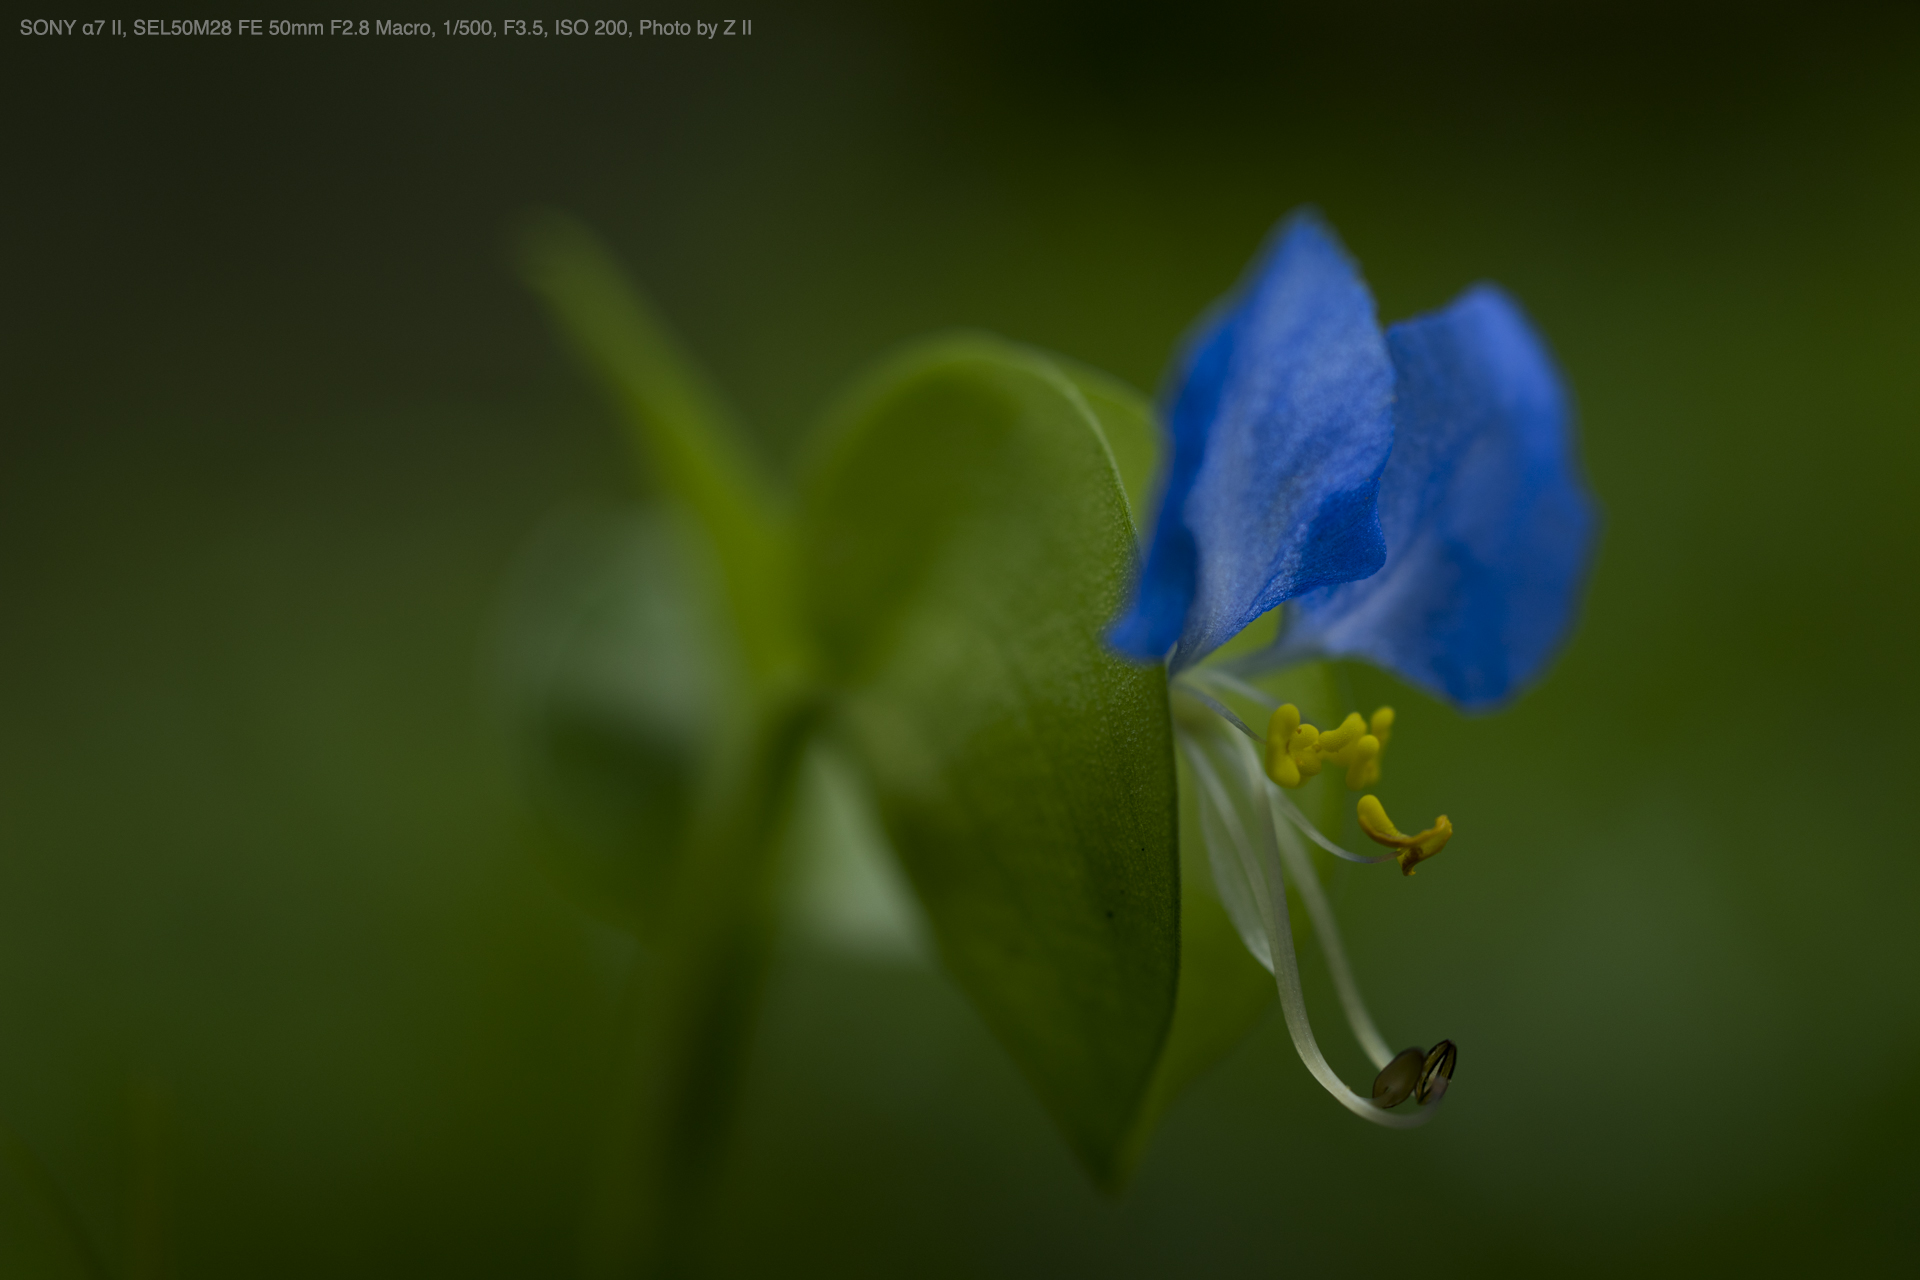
(280, 420)
(940, 601)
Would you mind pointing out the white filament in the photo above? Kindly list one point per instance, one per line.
(1224, 679)
(1234, 875)
(1262, 870)
(1283, 807)
(1223, 711)
(1320, 911)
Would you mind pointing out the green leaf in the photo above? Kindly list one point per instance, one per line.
(689, 440)
(1127, 421)
(965, 544)
(1224, 991)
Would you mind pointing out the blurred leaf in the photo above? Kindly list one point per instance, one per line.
(845, 886)
(620, 682)
(684, 431)
(966, 542)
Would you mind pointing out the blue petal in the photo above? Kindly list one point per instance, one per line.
(1489, 525)
(1281, 421)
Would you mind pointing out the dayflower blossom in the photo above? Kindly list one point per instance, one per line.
(1414, 498)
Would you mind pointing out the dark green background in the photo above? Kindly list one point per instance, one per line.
(277, 418)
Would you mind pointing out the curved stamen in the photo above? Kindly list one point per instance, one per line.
(1284, 806)
(1268, 882)
(1325, 927)
(1319, 910)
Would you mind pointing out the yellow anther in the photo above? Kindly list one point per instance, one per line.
(1348, 752)
(1281, 766)
(1364, 769)
(1413, 850)
(1382, 725)
(1356, 750)
(1305, 750)
(1296, 750)
(1375, 822)
(1334, 741)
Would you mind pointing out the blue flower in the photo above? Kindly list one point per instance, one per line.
(1281, 422)
(1489, 528)
(1416, 496)
(1416, 493)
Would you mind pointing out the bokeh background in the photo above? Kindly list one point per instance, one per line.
(282, 988)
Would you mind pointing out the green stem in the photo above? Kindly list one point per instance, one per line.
(684, 433)
(695, 998)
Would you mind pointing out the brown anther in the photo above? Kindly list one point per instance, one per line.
(1413, 850)
(1398, 1079)
(1436, 1073)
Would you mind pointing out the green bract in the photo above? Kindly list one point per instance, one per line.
(932, 606)
(965, 540)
